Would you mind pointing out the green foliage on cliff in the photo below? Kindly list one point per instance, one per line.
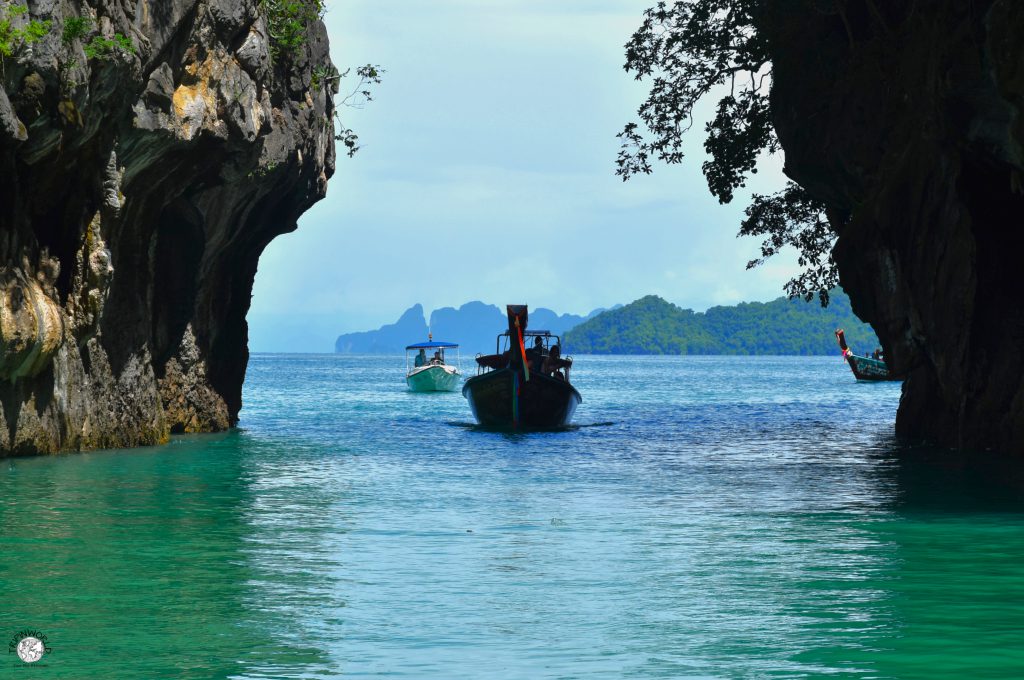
(100, 48)
(325, 76)
(651, 325)
(287, 21)
(13, 39)
(104, 48)
(75, 28)
(691, 49)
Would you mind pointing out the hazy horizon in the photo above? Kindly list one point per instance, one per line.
(487, 173)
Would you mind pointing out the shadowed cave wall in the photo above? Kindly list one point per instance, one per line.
(905, 117)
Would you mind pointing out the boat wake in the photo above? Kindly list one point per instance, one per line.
(467, 426)
(565, 428)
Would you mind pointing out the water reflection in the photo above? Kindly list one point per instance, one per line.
(945, 481)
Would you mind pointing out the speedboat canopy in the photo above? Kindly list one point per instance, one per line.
(433, 345)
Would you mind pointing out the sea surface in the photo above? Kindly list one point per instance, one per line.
(709, 517)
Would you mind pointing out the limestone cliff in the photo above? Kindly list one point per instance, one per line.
(139, 182)
(906, 118)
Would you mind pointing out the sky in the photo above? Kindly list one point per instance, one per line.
(487, 172)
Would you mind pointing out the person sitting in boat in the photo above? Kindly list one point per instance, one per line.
(877, 354)
(554, 363)
(436, 359)
(535, 355)
(421, 358)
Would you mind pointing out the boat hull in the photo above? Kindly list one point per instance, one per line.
(433, 379)
(543, 402)
(865, 368)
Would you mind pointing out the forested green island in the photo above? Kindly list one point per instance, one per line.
(651, 325)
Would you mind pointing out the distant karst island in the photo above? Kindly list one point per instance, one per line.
(649, 325)
(474, 326)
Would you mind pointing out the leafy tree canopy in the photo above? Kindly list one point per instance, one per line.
(690, 49)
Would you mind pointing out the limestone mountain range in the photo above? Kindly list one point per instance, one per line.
(474, 326)
(649, 325)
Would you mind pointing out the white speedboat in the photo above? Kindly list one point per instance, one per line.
(430, 373)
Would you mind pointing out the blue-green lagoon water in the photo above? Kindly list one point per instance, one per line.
(711, 517)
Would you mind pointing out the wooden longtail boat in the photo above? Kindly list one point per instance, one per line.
(521, 389)
(864, 368)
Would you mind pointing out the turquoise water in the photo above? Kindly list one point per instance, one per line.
(711, 517)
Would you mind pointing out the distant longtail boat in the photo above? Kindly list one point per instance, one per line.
(864, 368)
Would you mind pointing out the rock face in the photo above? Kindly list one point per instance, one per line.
(906, 118)
(137, 192)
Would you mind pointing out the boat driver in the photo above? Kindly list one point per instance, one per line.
(535, 355)
(421, 358)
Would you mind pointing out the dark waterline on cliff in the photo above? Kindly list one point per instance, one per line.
(730, 517)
